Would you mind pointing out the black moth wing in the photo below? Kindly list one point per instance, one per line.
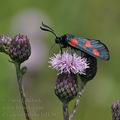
(91, 71)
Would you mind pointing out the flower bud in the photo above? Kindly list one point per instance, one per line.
(116, 110)
(5, 42)
(20, 48)
(66, 87)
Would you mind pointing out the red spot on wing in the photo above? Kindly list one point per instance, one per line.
(96, 52)
(73, 42)
(87, 45)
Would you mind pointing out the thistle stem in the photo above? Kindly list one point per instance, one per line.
(21, 90)
(65, 111)
(77, 102)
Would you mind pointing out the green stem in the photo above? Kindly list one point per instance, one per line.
(77, 103)
(21, 90)
(65, 111)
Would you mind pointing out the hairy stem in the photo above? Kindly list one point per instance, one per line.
(77, 102)
(65, 111)
(21, 90)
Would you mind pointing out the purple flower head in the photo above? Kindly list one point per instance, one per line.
(67, 63)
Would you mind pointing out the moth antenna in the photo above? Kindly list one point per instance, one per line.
(47, 26)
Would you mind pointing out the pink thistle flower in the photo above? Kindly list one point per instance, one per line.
(67, 63)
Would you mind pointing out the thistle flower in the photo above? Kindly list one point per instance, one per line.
(68, 66)
(116, 110)
(5, 41)
(20, 48)
(67, 63)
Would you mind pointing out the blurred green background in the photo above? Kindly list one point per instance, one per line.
(99, 19)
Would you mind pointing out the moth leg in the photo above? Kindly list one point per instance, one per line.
(61, 48)
(73, 50)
